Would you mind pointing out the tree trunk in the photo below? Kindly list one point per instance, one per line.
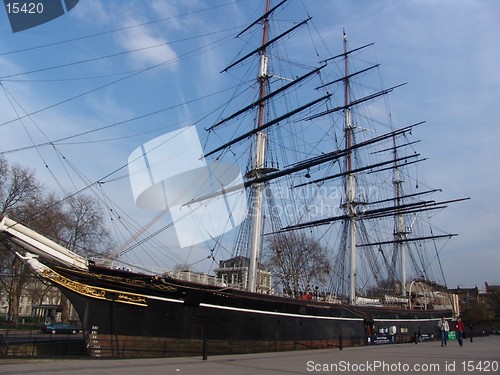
(15, 301)
(65, 308)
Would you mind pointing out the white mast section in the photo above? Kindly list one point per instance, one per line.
(256, 212)
(350, 184)
(401, 233)
(351, 208)
(258, 167)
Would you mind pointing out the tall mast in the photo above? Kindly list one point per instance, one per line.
(258, 166)
(400, 232)
(350, 183)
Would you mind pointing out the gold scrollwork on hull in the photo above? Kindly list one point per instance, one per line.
(95, 292)
(155, 282)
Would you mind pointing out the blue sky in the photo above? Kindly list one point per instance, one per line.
(447, 51)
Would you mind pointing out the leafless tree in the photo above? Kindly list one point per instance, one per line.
(19, 190)
(85, 232)
(298, 262)
(76, 223)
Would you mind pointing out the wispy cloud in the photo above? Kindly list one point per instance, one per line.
(150, 49)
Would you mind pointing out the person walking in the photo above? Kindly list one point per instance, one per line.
(459, 328)
(444, 327)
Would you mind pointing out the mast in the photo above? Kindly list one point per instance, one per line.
(350, 183)
(399, 231)
(258, 165)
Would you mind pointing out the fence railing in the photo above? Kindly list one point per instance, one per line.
(34, 343)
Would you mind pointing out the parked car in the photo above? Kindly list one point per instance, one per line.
(60, 328)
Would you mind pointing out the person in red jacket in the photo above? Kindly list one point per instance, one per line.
(459, 328)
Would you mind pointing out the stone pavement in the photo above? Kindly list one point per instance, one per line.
(480, 357)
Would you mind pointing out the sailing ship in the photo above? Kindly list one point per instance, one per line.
(340, 158)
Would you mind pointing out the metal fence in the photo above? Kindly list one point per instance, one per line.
(34, 343)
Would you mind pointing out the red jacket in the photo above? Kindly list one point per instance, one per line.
(460, 326)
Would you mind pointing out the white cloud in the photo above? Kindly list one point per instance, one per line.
(155, 49)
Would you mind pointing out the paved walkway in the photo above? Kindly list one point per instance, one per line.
(480, 357)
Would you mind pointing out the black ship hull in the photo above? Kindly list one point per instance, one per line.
(125, 314)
